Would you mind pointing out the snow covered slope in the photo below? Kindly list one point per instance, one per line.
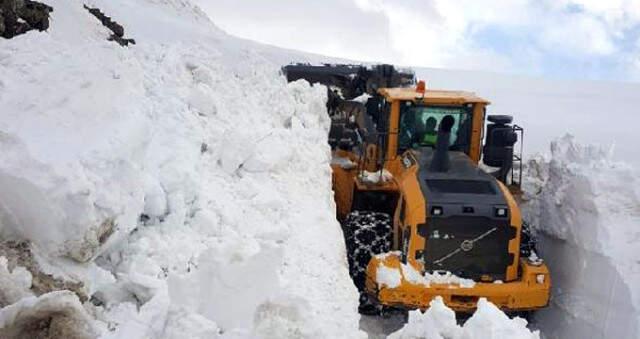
(188, 181)
(586, 208)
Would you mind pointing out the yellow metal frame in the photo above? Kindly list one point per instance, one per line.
(520, 291)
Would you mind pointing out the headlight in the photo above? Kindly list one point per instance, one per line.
(501, 212)
(436, 210)
(540, 278)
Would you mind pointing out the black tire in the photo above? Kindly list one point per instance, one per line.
(366, 234)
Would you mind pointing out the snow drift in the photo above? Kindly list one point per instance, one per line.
(586, 209)
(189, 183)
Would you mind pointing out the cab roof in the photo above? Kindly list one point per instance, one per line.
(431, 96)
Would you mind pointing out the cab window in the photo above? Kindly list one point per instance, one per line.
(419, 126)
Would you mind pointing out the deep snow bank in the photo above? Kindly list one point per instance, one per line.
(586, 208)
(187, 175)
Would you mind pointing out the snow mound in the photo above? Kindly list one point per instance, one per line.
(15, 284)
(586, 209)
(439, 322)
(388, 277)
(489, 322)
(53, 315)
(186, 179)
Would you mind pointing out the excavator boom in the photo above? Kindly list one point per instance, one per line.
(351, 80)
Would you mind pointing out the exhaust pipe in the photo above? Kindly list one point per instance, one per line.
(440, 161)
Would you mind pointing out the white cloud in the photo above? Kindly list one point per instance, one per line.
(441, 33)
(433, 33)
(577, 33)
(548, 29)
(332, 27)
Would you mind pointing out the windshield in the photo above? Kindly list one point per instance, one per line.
(419, 126)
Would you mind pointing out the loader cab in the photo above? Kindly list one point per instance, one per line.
(414, 116)
(419, 126)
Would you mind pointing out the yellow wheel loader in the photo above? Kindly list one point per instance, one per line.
(427, 204)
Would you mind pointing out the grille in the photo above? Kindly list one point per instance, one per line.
(460, 186)
(469, 247)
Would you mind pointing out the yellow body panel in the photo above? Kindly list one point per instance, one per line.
(431, 96)
(516, 221)
(477, 127)
(528, 292)
(394, 121)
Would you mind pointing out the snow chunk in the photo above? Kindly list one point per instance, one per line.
(363, 98)
(376, 177)
(488, 322)
(448, 278)
(411, 275)
(388, 276)
(439, 322)
(220, 282)
(183, 324)
(383, 256)
(14, 285)
(392, 276)
(284, 317)
(61, 310)
(345, 163)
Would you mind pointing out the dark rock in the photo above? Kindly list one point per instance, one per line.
(116, 28)
(33, 15)
(1, 25)
(36, 15)
(123, 42)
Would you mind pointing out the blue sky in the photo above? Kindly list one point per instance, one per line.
(565, 39)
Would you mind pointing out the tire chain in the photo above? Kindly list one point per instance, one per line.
(367, 234)
(528, 240)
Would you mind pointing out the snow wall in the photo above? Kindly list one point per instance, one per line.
(181, 181)
(586, 210)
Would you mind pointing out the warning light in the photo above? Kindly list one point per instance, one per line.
(422, 86)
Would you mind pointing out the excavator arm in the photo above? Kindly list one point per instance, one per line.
(351, 81)
(345, 83)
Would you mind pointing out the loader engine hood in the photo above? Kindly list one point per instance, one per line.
(468, 225)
